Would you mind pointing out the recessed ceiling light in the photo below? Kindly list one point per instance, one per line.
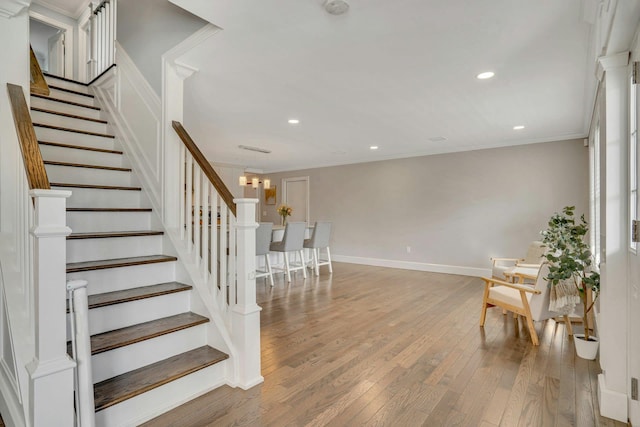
(294, 121)
(485, 75)
(519, 127)
(373, 147)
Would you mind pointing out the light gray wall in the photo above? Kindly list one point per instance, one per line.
(39, 34)
(455, 209)
(149, 28)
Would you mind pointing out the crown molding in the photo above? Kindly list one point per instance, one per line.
(75, 14)
(10, 8)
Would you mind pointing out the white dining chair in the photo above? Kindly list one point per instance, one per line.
(292, 242)
(263, 243)
(319, 240)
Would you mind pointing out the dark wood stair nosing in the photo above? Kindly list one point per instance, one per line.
(114, 234)
(79, 147)
(76, 267)
(82, 165)
(64, 79)
(72, 116)
(83, 132)
(94, 186)
(151, 329)
(74, 92)
(194, 361)
(64, 101)
(135, 294)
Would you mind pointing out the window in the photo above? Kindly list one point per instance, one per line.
(633, 160)
(594, 166)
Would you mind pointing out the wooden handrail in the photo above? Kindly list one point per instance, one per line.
(38, 83)
(206, 167)
(33, 164)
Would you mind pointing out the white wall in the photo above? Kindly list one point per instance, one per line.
(149, 28)
(455, 209)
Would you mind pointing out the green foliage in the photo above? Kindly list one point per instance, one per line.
(568, 254)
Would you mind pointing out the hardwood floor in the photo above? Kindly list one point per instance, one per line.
(374, 346)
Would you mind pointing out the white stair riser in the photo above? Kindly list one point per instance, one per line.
(79, 175)
(74, 138)
(62, 107)
(73, 155)
(84, 222)
(124, 359)
(92, 198)
(121, 315)
(79, 250)
(67, 85)
(73, 97)
(159, 400)
(68, 122)
(117, 279)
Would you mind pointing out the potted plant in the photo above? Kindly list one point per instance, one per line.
(570, 261)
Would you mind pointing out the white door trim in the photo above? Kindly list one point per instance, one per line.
(69, 41)
(285, 181)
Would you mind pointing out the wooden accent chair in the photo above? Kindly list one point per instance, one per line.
(533, 259)
(531, 302)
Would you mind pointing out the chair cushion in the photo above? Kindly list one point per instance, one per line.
(508, 295)
(497, 271)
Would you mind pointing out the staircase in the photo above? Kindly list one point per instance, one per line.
(149, 349)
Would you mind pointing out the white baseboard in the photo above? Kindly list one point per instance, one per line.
(613, 404)
(412, 265)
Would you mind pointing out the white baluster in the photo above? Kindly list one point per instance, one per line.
(223, 254)
(182, 186)
(114, 37)
(81, 340)
(214, 240)
(232, 261)
(206, 224)
(189, 204)
(196, 214)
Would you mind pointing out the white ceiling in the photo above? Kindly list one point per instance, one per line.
(388, 73)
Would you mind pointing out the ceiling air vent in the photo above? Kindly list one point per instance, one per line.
(257, 149)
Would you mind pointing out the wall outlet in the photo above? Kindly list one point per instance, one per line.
(634, 388)
(408, 249)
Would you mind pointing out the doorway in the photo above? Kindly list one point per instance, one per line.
(295, 193)
(52, 43)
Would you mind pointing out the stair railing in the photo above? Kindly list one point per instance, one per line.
(36, 301)
(38, 83)
(102, 37)
(220, 234)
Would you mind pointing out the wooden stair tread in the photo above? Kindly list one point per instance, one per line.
(144, 331)
(75, 92)
(130, 384)
(74, 267)
(80, 165)
(72, 116)
(134, 294)
(108, 234)
(53, 76)
(64, 101)
(84, 132)
(109, 209)
(94, 186)
(78, 147)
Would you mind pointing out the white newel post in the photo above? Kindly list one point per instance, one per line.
(246, 313)
(51, 371)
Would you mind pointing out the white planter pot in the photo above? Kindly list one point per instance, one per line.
(586, 349)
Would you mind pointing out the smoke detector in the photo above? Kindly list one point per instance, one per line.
(336, 7)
